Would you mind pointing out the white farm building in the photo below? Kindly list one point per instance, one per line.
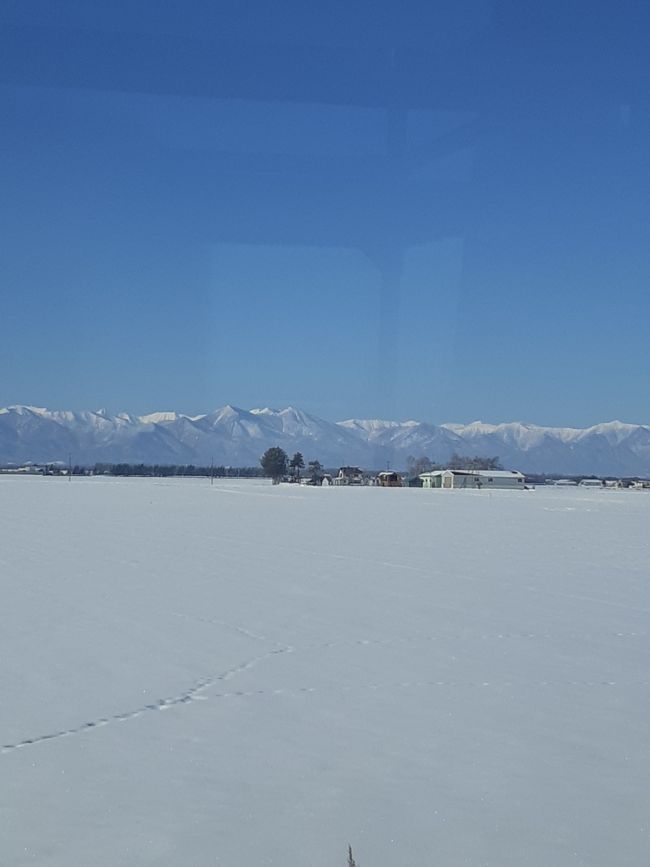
(477, 479)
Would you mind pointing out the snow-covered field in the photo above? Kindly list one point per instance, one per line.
(246, 675)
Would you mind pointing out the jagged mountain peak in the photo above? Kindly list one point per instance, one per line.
(158, 417)
(237, 436)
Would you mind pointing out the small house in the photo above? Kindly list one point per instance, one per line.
(474, 479)
(389, 479)
(349, 476)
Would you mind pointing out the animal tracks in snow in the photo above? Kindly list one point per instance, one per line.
(420, 685)
(467, 636)
(197, 692)
(194, 693)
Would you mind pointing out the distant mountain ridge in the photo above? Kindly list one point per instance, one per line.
(237, 437)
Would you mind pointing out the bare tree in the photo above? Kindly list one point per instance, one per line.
(351, 861)
(463, 462)
(415, 466)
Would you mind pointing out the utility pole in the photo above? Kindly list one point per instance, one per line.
(70, 467)
(212, 471)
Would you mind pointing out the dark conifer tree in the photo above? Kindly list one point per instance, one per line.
(274, 463)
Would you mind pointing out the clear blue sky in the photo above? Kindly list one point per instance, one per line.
(408, 210)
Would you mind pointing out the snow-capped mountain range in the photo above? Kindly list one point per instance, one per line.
(237, 437)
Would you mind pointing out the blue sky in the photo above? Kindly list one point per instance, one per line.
(432, 211)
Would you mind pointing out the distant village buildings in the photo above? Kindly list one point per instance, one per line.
(348, 476)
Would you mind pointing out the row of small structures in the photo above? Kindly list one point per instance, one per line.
(448, 479)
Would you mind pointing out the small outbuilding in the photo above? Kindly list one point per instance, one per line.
(474, 479)
(389, 479)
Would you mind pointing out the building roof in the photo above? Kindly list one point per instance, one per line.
(499, 474)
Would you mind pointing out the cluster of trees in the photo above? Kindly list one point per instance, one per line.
(277, 466)
(460, 462)
(415, 466)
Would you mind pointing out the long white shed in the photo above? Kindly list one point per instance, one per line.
(475, 479)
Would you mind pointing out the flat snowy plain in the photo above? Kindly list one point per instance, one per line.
(245, 675)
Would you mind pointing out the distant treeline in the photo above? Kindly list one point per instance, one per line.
(166, 470)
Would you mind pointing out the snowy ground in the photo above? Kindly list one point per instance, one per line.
(247, 675)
